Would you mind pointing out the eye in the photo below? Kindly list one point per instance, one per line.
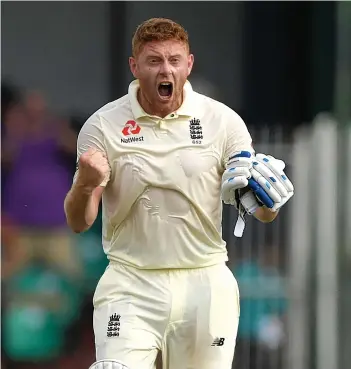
(175, 60)
(153, 61)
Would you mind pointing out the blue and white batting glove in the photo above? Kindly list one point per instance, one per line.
(108, 364)
(269, 183)
(236, 176)
(268, 186)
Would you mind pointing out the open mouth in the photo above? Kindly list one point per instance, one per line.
(165, 89)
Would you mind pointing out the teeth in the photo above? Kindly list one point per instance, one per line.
(165, 83)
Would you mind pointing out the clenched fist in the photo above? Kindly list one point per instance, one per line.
(93, 168)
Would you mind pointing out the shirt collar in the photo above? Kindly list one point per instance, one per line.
(186, 109)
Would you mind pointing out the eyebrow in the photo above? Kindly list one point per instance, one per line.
(153, 56)
(161, 57)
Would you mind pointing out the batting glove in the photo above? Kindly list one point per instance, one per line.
(269, 183)
(268, 186)
(236, 176)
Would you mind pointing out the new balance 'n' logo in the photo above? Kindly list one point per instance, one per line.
(218, 341)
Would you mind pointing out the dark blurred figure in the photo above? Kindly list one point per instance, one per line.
(9, 96)
(34, 144)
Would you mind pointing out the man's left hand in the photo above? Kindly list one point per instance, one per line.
(269, 183)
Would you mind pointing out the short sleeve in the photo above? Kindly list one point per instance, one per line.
(91, 136)
(238, 137)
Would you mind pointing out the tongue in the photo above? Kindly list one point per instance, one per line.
(164, 90)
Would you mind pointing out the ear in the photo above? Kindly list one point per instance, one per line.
(133, 67)
(190, 63)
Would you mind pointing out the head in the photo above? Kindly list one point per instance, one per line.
(15, 120)
(161, 62)
(35, 104)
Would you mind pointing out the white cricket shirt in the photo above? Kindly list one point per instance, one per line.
(161, 204)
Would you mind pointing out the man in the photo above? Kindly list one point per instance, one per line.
(156, 158)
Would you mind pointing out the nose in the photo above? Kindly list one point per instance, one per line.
(165, 68)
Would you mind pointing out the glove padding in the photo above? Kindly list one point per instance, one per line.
(236, 175)
(108, 364)
(269, 182)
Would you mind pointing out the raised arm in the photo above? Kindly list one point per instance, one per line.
(92, 175)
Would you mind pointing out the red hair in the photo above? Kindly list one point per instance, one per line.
(158, 29)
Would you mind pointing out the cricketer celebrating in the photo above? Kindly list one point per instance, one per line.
(162, 158)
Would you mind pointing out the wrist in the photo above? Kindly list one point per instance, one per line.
(265, 215)
(83, 187)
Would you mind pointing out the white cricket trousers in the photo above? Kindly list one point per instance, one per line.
(190, 315)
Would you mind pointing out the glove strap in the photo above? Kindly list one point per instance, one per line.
(239, 226)
(249, 202)
(247, 205)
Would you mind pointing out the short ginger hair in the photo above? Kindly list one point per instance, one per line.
(158, 29)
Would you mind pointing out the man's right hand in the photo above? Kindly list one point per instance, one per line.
(93, 169)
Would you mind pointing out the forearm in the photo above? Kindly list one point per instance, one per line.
(81, 208)
(264, 215)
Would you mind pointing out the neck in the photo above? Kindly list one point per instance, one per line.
(159, 110)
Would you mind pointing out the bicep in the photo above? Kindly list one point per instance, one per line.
(91, 136)
(238, 137)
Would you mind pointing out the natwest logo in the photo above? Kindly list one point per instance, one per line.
(131, 128)
(132, 139)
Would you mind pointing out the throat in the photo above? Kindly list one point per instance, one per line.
(165, 91)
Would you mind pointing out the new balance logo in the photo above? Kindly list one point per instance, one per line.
(218, 341)
(131, 128)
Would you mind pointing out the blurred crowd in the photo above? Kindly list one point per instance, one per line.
(49, 274)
